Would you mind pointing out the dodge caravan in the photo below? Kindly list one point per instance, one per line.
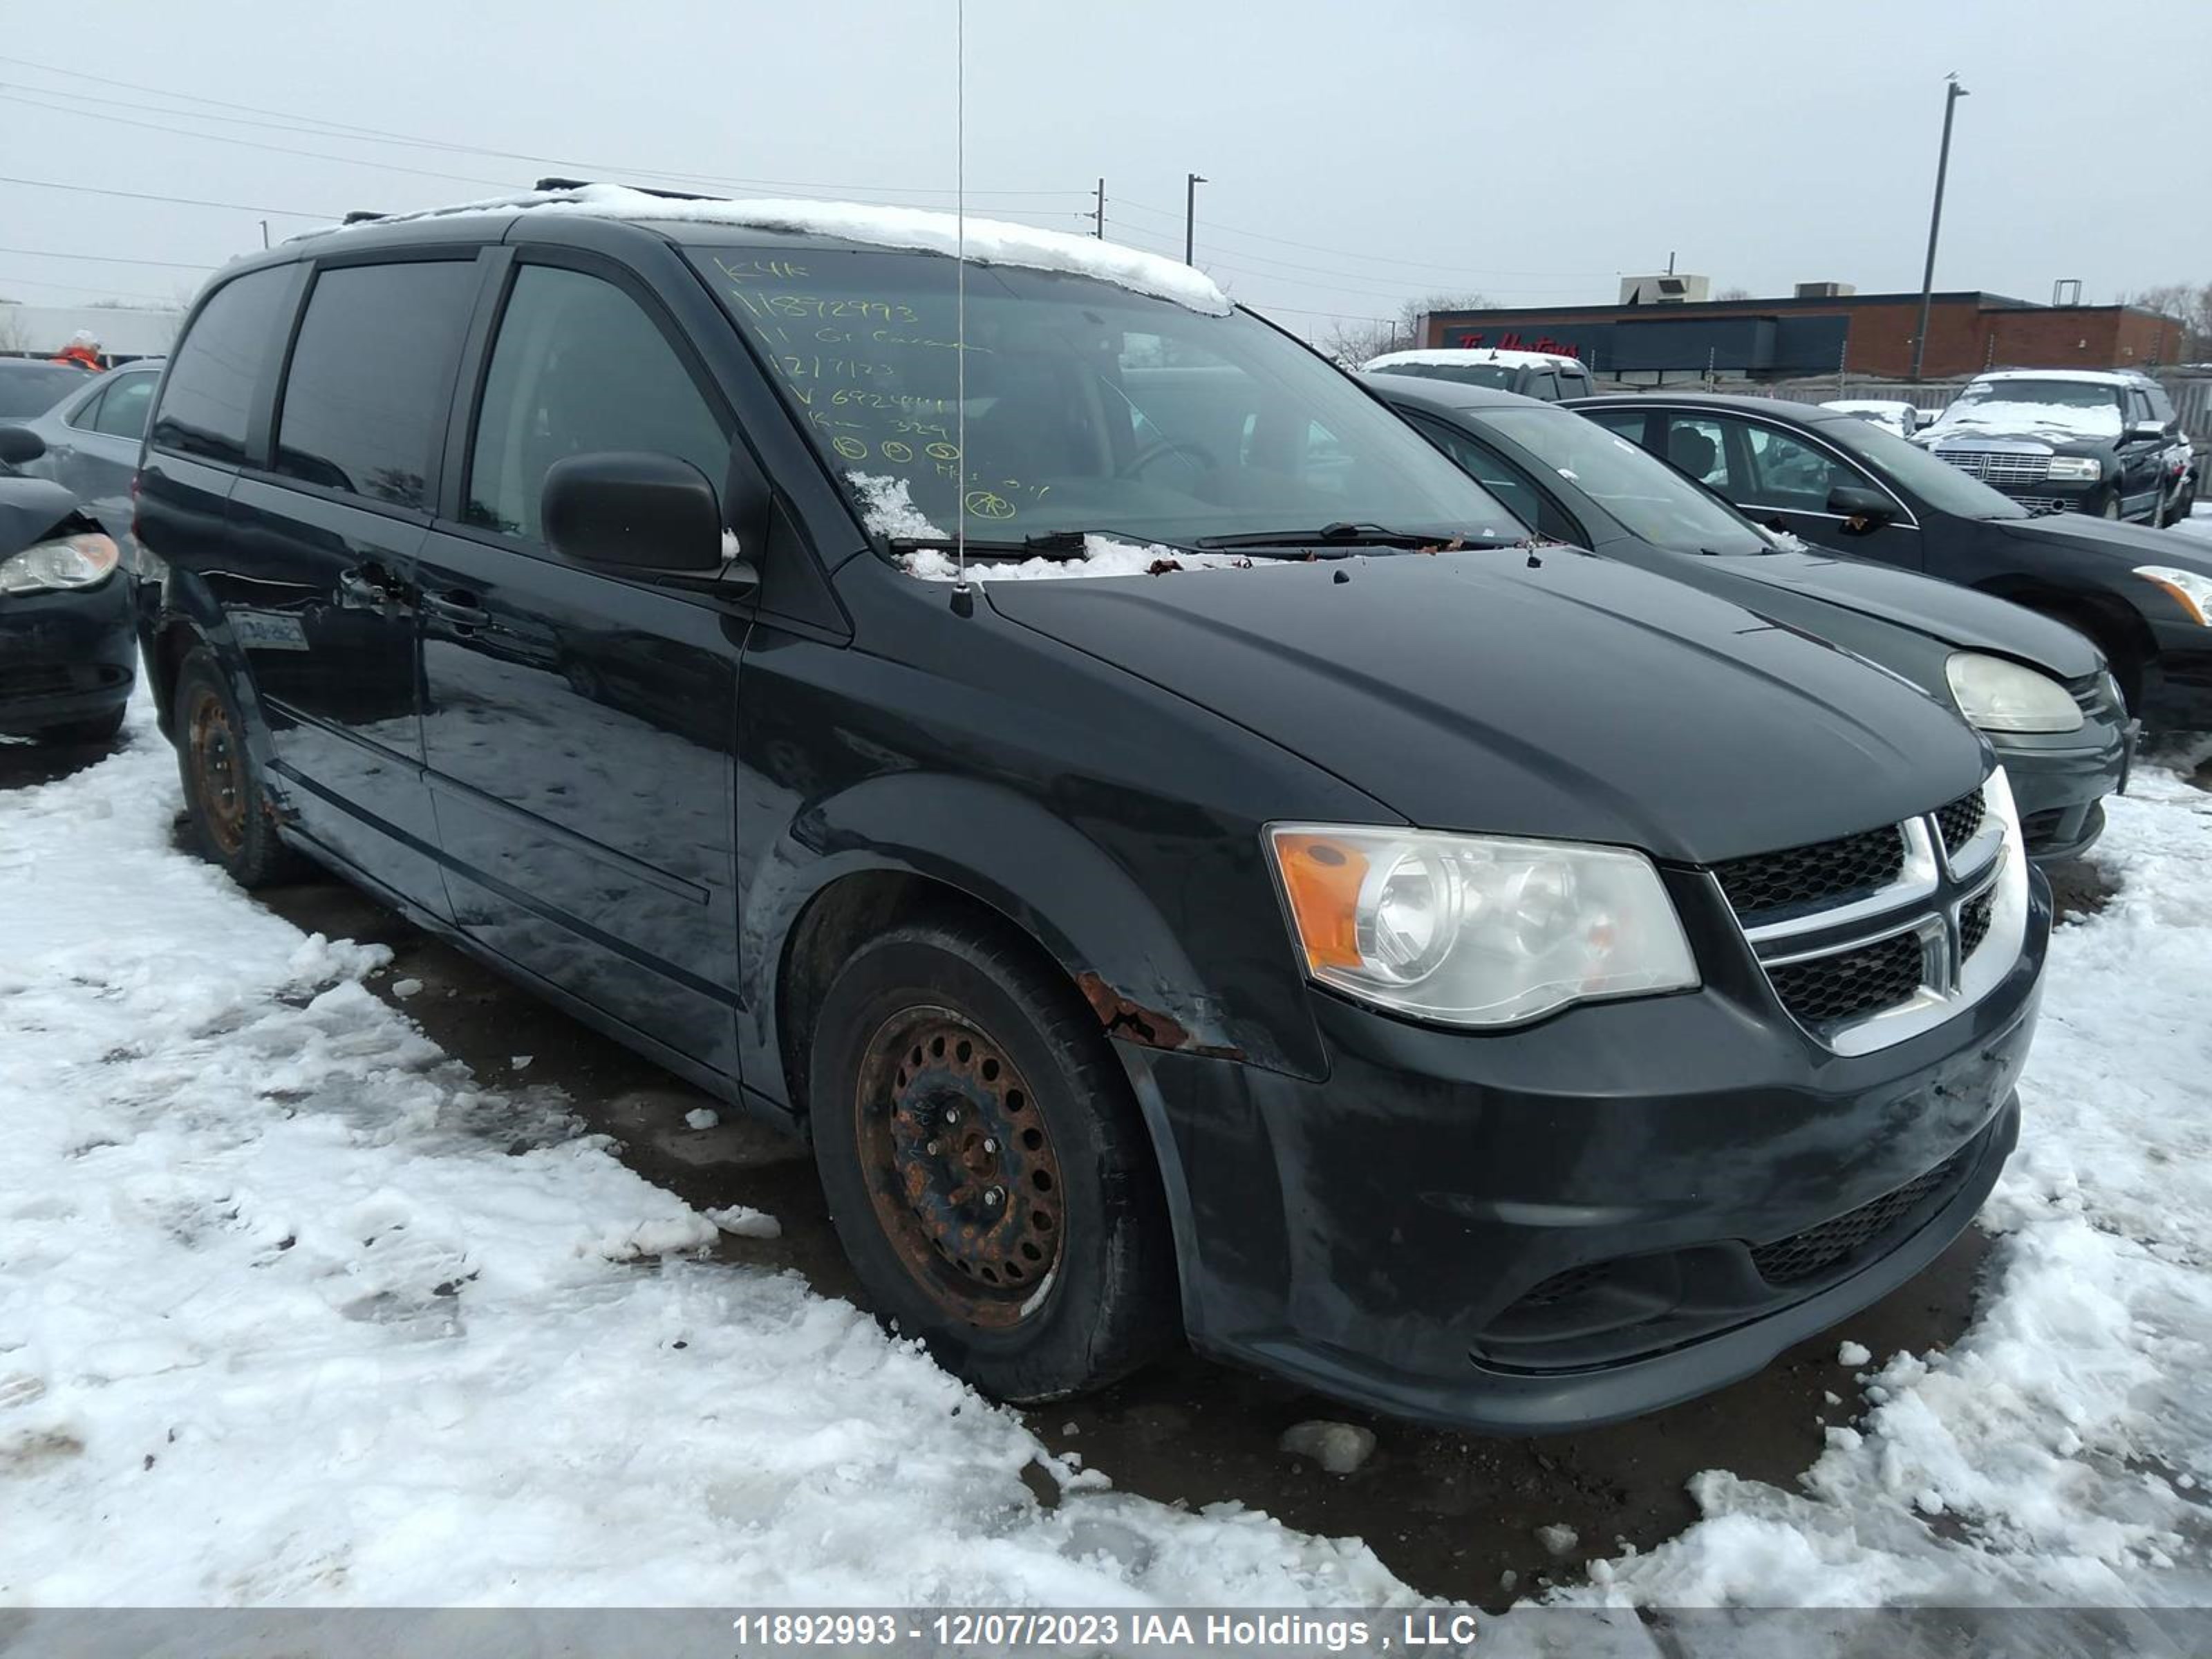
(1475, 979)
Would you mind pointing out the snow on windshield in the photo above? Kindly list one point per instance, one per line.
(1103, 555)
(988, 241)
(886, 508)
(1456, 356)
(2030, 416)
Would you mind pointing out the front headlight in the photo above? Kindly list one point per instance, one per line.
(2191, 591)
(1476, 930)
(2077, 469)
(1998, 696)
(68, 562)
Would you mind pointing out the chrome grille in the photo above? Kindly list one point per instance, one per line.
(1869, 939)
(1998, 466)
(1959, 820)
(1819, 873)
(1852, 984)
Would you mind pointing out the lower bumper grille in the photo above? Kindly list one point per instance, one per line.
(44, 679)
(1816, 1250)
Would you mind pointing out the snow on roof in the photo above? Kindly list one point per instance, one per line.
(2092, 376)
(988, 242)
(1867, 405)
(1455, 356)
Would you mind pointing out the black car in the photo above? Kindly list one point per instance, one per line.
(2081, 441)
(69, 648)
(1511, 990)
(2036, 689)
(2144, 596)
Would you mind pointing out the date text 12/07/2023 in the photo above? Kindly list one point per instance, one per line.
(1164, 1631)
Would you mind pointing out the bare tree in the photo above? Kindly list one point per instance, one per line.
(1353, 343)
(1734, 294)
(2188, 304)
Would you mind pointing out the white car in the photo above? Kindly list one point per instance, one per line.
(1550, 375)
(1892, 415)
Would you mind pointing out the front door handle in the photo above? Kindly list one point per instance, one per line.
(456, 610)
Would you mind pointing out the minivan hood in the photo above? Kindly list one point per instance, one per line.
(1943, 611)
(1551, 695)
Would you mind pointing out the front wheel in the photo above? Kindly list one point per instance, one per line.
(987, 1170)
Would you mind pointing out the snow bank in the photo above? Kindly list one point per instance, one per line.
(2060, 1452)
(1103, 555)
(291, 1309)
(988, 242)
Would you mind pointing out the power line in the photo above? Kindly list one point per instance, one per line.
(108, 118)
(317, 126)
(179, 201)
(80, 287)
(102, 258)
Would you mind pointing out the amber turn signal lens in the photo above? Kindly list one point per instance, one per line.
(1322, 877)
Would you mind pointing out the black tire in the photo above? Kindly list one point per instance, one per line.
(948, 1066)
(2111, 509)
(231, 823)
(100, 730)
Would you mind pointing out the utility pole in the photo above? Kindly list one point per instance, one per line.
(1099, 217)
(1952, 92)
(1191, 182)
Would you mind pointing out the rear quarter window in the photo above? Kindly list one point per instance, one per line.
(217, 368)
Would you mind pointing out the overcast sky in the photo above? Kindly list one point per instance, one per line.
(1357, 154)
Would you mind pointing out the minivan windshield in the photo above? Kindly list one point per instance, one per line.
(1090, 407)
(1652, 501)
(1499, 377)
(1913, 469)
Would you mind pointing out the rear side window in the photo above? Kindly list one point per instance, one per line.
(124, 407)
(580, 367)
(365, 400)
(218, 366)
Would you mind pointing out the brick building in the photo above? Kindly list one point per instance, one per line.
(1865, 334)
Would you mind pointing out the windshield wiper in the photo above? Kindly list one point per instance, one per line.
(1345, 535)
(1063, 545)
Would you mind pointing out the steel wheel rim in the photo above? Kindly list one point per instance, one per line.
(218, 770)
(960, 1167)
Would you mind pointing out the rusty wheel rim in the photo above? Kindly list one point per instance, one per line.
(959, 1166)
(218, 769)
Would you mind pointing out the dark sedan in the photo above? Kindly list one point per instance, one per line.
(69, 646)
(2143, 595)
(2037, 690)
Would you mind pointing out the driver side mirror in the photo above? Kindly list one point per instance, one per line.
(1852, 501)
(640, 514)
(19, 444)
(2148, 429)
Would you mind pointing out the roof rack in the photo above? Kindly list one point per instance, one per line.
(642, 190)
(361, 216)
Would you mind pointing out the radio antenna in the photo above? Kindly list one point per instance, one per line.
(962, 597)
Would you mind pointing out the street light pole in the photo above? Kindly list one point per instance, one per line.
(1191, 182)
(1952, 92)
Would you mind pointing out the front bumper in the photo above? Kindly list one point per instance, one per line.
(1622, 1207)
(2060, 784)
(66, 656)
(2176, 693)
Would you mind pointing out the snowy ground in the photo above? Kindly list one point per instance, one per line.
(294, 1308)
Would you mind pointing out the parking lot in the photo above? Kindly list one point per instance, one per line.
(426, 1366)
